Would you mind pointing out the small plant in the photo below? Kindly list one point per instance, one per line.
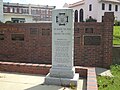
(72, 86)
(90, 19)
(117, 23)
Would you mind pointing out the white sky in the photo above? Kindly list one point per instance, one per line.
(57, 3)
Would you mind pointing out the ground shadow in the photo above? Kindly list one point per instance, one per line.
(84, 84)
(45, 87)
(54, 87)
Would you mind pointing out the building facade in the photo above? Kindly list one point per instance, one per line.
(26, 13)
(95, 8)
(1, 10)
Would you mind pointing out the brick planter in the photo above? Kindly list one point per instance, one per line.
(86, 72)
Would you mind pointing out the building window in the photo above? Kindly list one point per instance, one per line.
(33, 11)
(76, 15)
(103, 6)
(110, 7)
(43, 11)
(15, 10)
(18, 20)
(25, 10)
(17, 37)
(11, 9)
(20, 10)
(90, 7)
(5, 9)
(116, 7)
(1, 36)
(81, 15)
(21, 21)
(50, 12)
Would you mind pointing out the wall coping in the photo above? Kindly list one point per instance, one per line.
(43, 69)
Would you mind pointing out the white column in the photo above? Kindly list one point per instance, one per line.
(30, 9)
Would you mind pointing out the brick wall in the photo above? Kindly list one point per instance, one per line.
(36, 45)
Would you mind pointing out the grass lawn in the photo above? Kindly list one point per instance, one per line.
(116, 35)
(110, 83)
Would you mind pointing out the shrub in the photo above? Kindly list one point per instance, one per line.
(90, 19)
(117, 23)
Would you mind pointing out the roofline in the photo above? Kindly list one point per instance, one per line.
(109, 1)
(27, 5)
(77, 3)
(82, 2)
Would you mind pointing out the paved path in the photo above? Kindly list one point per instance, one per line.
(16, 81)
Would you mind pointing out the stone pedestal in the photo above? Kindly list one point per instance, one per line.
(61, 81)
(62, 71)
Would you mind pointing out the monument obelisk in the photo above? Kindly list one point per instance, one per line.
(62, 71)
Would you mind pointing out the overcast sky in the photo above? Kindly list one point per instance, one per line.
(57, 3)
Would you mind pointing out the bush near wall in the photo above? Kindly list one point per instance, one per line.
(117, 23)
(90, 19)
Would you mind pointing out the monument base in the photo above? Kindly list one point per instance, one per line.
(61, 81)
(60, 72)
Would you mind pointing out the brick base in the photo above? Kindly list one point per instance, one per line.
(88, 73)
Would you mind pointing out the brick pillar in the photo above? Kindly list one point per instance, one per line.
(108, 22)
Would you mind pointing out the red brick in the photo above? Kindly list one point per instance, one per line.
(37, 48)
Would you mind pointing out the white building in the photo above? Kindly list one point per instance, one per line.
(25, 13)
(95, 8)
(1, 10)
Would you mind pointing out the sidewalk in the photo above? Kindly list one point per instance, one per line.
(17, 81)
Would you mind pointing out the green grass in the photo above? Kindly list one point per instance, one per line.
(116, 35)
(110, 83)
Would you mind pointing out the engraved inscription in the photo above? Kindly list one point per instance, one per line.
(92, 40)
